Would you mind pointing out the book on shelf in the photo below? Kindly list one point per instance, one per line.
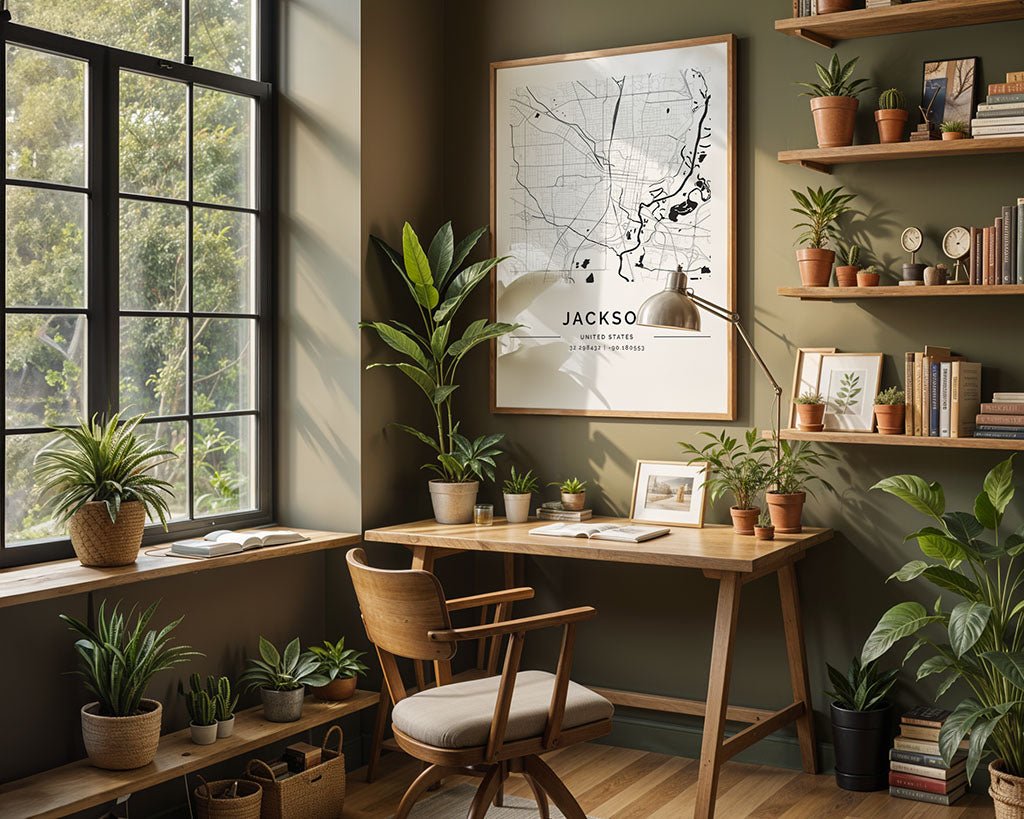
(1008, 397)
(1000, 435)
(925, 796)
(1006, 88)
(908, 394)
(1019, 265)
(1002, 408)
(630, 533)
(224, 542)
(1015, 76)
(1004, 99)
(991, 112)
(965, 399)
(1004, 420)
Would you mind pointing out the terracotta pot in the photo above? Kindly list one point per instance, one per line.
(892, 124)
(122, 743)
(282, 706)
(833, 6)
(815, 266)
(1006, 790)
(787, 511)
(868, 279)
(453, 502)
(891, 418)
(574, 501)
(336, 690)
(743, 520)
(834, 120)
(98, 542)
(846, 275)
(810, 417)
(764, 532)
(949, 136)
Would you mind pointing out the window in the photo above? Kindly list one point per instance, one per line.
(138, 248)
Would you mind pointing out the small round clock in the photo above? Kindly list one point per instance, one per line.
(912, 239)
(956, 244)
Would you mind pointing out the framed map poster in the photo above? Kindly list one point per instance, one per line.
(608, 170)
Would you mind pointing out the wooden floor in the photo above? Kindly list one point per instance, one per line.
(620, 783)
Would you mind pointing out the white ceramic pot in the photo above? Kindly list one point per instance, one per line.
(453, 502)
(225, 727)
(203, 734)
(517, 507)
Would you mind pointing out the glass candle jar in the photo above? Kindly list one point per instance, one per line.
(483, 514)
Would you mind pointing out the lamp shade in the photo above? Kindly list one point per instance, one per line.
(671, 308)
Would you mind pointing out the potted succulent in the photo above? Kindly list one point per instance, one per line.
(281, 677)
(869, 277)
(341, 666)
(98, 478)
(891, 411)
(202, 711)
(979, 640)
(847, 267)
(820, 210)
(574, 493)
(740, 468)
(810, 411)
(834, 102)
(117, 659)
(891, 116)
(433, 354)
(862, 721)
(791, 476)
(518, 491)
(954, 129)
(219, 689)
(763, 529)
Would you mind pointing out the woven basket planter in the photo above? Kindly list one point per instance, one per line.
(212, 802)
(122, 743)
(98, 542)
(1007, 792)
(316, 793)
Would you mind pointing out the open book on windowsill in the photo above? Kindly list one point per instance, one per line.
(225, 542)
(602, 531)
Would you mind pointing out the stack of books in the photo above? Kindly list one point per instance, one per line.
(1002, 113)
(942, 394)
(916, 769)
(997, 252)
(554, 511)
(879, 4)
(1002, 418)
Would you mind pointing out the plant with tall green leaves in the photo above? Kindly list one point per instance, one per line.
(338, 662)
(439, 288)
(282, 670)
(797, 468)
(821, 210)
(835, 80)
(863, 687)
(103, 461)
(741, 468)
(520, 483)
(980, 641)
(118, 658)
(202, 707)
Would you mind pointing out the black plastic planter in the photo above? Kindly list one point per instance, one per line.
(862, 741)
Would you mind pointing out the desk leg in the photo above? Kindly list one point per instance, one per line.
(422, 558)
(798, 664)
(718, 694)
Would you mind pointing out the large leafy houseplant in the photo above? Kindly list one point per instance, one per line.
(796, 469)
(980, 640)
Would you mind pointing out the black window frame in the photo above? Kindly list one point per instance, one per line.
(104, 67)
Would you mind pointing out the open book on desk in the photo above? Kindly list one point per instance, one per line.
(224, 542)
(630, 533)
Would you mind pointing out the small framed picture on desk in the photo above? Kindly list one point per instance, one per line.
(669, 492)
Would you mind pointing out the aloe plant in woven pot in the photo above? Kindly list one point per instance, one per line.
(834, 101)
(438, 289)
(979, 642)
(792, 475)
(281, 678)
(116, 660)
(341, 666)
(820, 210)
(737, 467)
(98, 479)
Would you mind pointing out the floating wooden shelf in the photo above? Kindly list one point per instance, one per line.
(875, 439)
(79, 786)
(897, 292)
(824, 159)
(828, 29)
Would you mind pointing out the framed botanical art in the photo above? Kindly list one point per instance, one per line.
(849, 383)
(949, 89)
(608, 170)
(670, 493)
(806, 375)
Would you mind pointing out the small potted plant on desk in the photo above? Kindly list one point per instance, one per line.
(518, 492)
(834, 102)
(810, 411)
(763, 529)
(202, 711)
(791, 476)
(740, 468)
(341, 666)
(891, 116)
(574, 493)
(891, 411)
(281, 677)
(846, 264)
(820, 209)
(954, 129)
(862, 722)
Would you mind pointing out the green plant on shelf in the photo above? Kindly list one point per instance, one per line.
(892, 99)
(519, 483)
(202, 707)
(954, 126)
(226, 700)
(821, 209)
(847, 255)
(338, 662)
(282, 670)
(890, 397)
(835, 80)
(809, 398)
(570, 486)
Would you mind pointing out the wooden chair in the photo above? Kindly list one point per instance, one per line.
(484, 727)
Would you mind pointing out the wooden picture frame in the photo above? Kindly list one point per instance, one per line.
(552, 365)
(841, 372)
(805, 357)
(674, 475)
(937, 77)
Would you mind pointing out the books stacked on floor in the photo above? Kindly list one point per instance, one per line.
(997, 252)
(942, 394)
(555, 511)
(1003, 417)
(916, 768)
(1002, 113)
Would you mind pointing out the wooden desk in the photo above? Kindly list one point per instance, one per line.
(731, 560)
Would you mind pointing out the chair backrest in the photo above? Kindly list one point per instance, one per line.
(399, 607)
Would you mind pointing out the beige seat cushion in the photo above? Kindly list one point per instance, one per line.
(459, 715)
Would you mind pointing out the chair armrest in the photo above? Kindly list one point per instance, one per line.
(490, 598)
(517, 626)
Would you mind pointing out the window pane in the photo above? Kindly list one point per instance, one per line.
(44, 382)
(222, 372)
(222, 277)
(224, 458)
(45, 117)
(152, 126)
(222, 35)
(223, 148)
(149, 26)
(152, 246)
(25, 514)
(45, 248)
(153, 356)
(172, 435)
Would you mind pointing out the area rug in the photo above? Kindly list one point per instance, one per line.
(454, 802)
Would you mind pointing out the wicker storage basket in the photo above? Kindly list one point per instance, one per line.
(211, 804)
(316, 793)
(122, 743)
(1007, 792)
(98, 542)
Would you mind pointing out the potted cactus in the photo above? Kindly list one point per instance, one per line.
(891, 116)
(763, 529)
(820, 210)
(202, 711)
(834, 102)
(890, 411)
(810, 412)
(847, 267)
(281, 678)
(574, 493)
(869, 277)
(518, 491)
(954, 129)
(226, 701)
